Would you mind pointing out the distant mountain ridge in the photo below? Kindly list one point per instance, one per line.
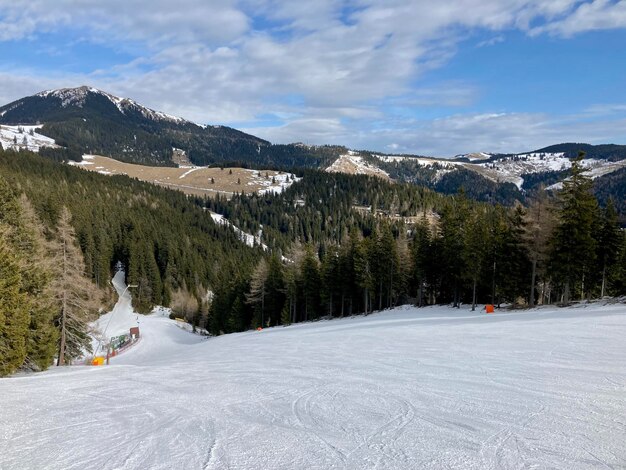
(88, 120)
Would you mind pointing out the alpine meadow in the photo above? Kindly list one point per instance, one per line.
(384, 235)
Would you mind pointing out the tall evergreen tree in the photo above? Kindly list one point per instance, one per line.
(609, 243)
(421, 254)
(14, 317)
(475, 249)
(311, 282)
(573, 244)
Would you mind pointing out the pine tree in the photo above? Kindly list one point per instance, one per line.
(364, 273)
(275, 297)
(310, 285)
(14, 316)
(609, 243)
(330, 278)
(453, 218)
(514, 264)
(36, 276)
(475, 249)
(420, 250)
(573, 244)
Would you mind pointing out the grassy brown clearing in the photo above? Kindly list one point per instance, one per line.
(193, 180)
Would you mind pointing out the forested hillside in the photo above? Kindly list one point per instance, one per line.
(360, 243)
(170, 247)
(337, 245)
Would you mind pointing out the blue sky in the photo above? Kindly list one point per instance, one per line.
(408, 76)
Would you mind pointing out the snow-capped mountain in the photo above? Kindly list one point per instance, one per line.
(92, 121)
(78, 97)
(86, 120)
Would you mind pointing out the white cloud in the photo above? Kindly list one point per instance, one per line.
(593, 16)
(334, 71)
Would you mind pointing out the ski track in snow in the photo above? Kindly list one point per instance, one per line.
(406, 388)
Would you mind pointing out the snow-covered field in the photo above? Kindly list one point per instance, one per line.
(24, 137)
(434, 388)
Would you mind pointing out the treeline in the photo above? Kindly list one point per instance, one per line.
(554, 251)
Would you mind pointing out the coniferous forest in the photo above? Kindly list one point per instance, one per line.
(336, 245)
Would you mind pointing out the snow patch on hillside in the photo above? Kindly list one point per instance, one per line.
(595, 169)
(511, 168)
(272, 184)
(245, 237)
(475, 156)
(352, 163)
(24, 138)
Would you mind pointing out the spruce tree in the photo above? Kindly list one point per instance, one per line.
(573, 245)
(311, 282)
(14, 318)
(609, 243)
(420, 251)
(475, 249)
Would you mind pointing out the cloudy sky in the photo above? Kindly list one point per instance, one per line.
(397, 76)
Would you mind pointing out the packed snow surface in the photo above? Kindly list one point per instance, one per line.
(431, 388)
(118, 321)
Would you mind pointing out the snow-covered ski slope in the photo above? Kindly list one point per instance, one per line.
(117, 322)
(434, 388)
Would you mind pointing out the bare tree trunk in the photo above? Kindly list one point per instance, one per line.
(493, 285)
(343, 295)
(390, 303)
(474, 296)
(263, 307)
(565, 297)
(603, 281)
(582, 288)
(420, 293)
(531, 299)
(61, 358)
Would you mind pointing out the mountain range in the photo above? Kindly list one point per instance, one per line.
(69, 122)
